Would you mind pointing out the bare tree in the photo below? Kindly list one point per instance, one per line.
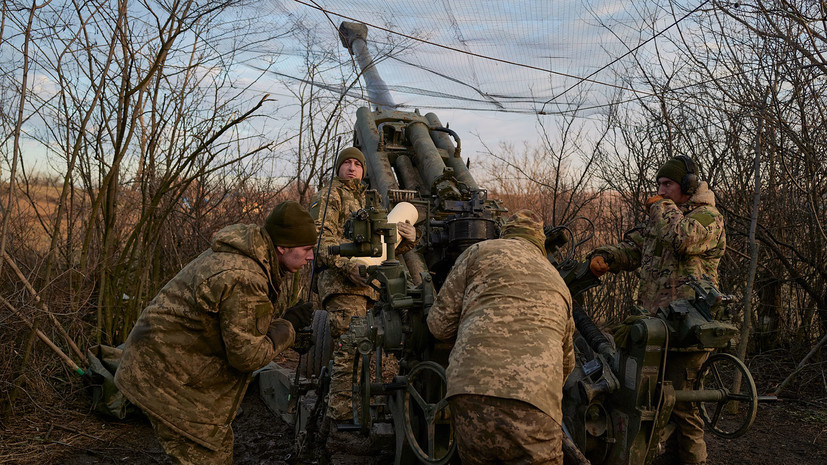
(552, 178)
(142, 109)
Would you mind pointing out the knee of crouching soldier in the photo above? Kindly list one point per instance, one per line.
(339, 322)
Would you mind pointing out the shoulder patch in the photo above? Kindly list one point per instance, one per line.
(704, 218)
(314, 210)
(263, 317)
(263, 309)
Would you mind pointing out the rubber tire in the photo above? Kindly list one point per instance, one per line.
(322, 350)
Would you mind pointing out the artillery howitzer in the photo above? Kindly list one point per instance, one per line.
(409, 158)
(616, 403)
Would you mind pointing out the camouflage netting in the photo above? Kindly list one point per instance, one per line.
(523, 57)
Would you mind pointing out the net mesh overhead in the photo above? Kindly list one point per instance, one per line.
(544, 57)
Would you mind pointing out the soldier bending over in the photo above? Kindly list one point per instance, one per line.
(190, 356)
(510, 313)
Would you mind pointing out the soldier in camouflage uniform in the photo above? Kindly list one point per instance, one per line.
(510, 313)
(344, 294)
(683, 238)
(190, 356)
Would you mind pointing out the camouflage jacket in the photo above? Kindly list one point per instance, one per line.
(189, 358)
(510, 313)
(677, 243)
(345, 197)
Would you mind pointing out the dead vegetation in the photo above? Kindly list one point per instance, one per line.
(154, 159)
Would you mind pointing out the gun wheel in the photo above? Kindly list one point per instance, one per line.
(360, 400)
(425, 417)
(732, 416)
(321, 352)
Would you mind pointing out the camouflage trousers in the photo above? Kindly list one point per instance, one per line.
(496, 430)
(682, 369)
(340, 308)
(184, 451)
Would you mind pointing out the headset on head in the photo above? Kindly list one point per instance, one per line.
(689, 182)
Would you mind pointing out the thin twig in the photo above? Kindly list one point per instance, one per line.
(72, 430)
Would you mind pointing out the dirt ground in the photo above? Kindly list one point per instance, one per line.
(790, 431)
(787, 432)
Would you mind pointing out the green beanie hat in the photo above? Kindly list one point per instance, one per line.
(290, 225)
(525, 224)
(674, 169)
(350, 152)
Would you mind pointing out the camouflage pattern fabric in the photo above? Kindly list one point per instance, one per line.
(682, 369)
(185, 452)
(525, 224)
(189, 358)
(345, 197)
(341, 308)
(494, 430)
(510, 313)
(677, 243)
(340, 296)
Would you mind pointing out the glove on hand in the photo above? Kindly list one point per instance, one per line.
(299, 315)
(355, 277)
(598, 265)
(304, 341)
(651, 200)
(407, 231)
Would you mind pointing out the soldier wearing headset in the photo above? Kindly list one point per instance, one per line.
(683, 238)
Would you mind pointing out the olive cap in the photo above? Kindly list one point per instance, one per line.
(350, 152)
(290, 225)
(674, 169)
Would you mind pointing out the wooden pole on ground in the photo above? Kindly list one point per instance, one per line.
(66, 359)
(72, 346)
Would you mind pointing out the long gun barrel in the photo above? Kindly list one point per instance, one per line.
(354, 37)
(408, 158)
(417, 150)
